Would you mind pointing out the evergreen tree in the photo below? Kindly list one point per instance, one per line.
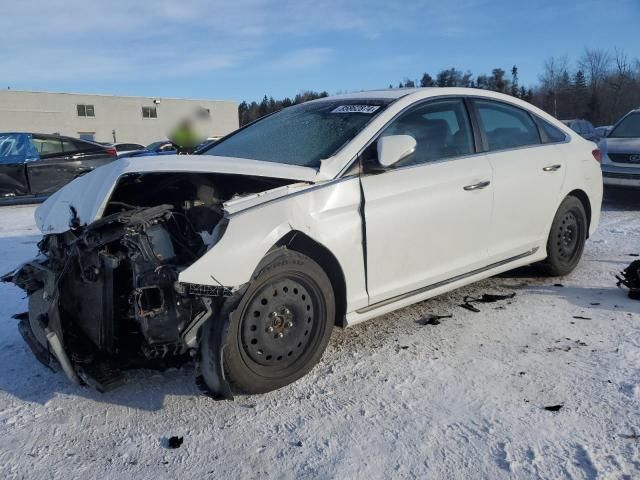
(497, 82)
(522, 93)
(264, 106)
(466, 80)
(515, 92)
(482, 81)
(579, 94)
(426, 80)
(442, 79)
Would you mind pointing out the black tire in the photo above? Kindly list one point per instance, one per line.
(282, 324)
(567, 238)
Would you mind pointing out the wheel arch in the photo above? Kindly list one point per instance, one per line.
(302, 243)
(586, 203)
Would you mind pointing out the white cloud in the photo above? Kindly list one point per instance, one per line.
(70, 39)
(301, 59)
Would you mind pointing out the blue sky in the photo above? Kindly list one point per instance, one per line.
(243, 49)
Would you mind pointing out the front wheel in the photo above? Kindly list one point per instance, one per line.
(282, 324)
(567, 238)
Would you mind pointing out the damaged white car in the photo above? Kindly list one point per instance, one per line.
(332, 212)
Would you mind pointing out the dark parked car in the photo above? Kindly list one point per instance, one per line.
(161, 146)
(125, 148)
(584, 128)
(33, 166)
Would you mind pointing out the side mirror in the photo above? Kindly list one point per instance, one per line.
(394, 148)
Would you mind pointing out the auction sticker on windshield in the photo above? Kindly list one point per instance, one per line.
(355, 109)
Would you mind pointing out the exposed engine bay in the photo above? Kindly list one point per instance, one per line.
(104, 297)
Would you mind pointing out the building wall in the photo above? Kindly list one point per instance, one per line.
(41, 112)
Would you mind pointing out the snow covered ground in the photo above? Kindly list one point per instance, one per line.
(390, 398)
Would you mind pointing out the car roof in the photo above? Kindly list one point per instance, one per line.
(411, 94)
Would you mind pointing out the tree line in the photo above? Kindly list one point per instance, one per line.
(600, 86)
(248, 112)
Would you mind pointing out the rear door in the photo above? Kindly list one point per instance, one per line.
(61, 160)
(15, 152)
(527, 174)
(426, 219)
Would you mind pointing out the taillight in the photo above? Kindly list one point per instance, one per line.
(112, 152)
(597, 155)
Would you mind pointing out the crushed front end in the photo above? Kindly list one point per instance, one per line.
(105, 297)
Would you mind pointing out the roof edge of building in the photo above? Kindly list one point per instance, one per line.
(149, 97)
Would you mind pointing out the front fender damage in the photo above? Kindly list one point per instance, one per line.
(107, 297)
(211, 378)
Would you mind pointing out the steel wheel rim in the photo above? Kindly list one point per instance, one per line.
(280, 324)
(568, 237)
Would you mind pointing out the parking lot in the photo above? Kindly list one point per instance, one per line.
(391, 397)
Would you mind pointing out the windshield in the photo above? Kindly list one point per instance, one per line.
(629, 127)
(302, 134)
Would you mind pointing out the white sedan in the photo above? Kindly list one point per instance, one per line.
(326, 213)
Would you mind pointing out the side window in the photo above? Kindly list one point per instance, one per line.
(47, 146)
(441, 129)
(127, 146)
(69, 146)
(506, 126)
(550, 134)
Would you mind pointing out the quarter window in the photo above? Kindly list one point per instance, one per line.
(86, 110)
(441, 129)
(149, 112)
(550, 134)
(506, 126)
(69, 146)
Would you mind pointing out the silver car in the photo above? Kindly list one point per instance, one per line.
(621, 152)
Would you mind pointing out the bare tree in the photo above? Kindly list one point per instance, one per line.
(620, 79)
(554, 74)
(595, 63)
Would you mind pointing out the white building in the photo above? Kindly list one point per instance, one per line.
(108, 118)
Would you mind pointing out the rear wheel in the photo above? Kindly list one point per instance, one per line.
(567, 238)
(282, 324)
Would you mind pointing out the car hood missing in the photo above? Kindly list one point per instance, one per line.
(84, 199)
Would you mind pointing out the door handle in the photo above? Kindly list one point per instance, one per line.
(477, 186)
(552, 168)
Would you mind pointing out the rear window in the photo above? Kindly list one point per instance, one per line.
(302, 134)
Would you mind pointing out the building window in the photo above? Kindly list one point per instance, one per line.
(86, 110)
(149, 112)
(91, 136)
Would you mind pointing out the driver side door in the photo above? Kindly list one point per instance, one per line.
(427, 217)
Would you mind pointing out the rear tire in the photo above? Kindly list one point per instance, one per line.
(567, 238)
(282, 325)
